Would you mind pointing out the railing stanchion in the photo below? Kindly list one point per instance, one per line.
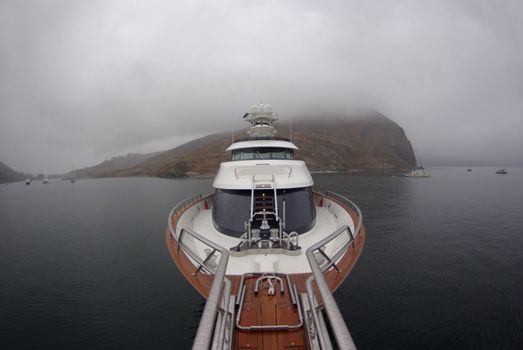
(341, 332)
(218, 291)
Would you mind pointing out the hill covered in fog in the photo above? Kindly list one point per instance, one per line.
(9, 175)
(113, 166)
(329, 143)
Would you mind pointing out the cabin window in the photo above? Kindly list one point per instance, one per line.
(262, 153)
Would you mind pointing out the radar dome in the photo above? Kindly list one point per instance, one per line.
(267, 108)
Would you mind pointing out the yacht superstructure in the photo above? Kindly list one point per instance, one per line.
(265, 249)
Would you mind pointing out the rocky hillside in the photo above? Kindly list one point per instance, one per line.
(9, 175)
(113, 166)
(372, 142)
(202, 156)
(330, 143)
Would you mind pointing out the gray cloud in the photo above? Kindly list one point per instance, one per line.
(81, 81)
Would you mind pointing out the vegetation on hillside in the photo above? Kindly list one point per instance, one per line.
(327, 143)
(174, 170)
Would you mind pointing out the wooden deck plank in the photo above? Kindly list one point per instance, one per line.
(286, 314)
(250, 316)
(275, 310)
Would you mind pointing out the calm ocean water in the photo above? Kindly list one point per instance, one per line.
(84, 265)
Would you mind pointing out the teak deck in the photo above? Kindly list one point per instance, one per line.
(264, 309)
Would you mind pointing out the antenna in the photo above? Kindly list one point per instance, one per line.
(290, 127)
(232, 135)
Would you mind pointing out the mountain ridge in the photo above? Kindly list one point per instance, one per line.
(111, 166)
(7, 174)
(331, 143)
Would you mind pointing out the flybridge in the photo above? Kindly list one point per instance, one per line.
(262, 142)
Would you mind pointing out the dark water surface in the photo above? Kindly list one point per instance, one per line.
(84, 265)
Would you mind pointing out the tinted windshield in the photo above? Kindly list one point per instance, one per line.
(231, 209)
(262, 153)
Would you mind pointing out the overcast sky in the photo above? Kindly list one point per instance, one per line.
(81, 81)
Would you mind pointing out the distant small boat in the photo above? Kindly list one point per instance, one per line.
(72, 178)
(46, 179)
(502, 171)
(469, 170)
(418, 172)
(27, 181)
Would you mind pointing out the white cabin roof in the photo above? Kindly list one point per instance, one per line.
(261, 143)
(246, 174)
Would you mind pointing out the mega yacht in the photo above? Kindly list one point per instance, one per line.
(418, 172)
(265, 249)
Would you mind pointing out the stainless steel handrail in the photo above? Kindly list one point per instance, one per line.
(204, 334)
(179, 207)
(341, 332)
(352, 206)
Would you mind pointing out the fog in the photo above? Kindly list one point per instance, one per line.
(82, 81)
